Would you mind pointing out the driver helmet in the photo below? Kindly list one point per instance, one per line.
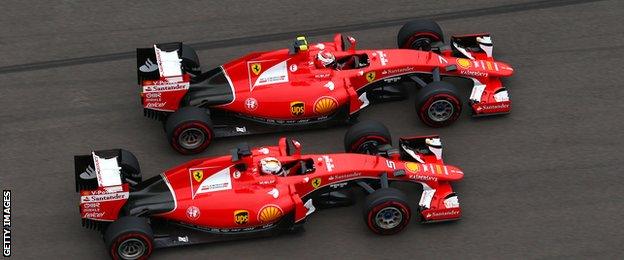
(326, 59)
(270, 165)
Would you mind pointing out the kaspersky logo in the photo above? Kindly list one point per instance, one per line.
(149, 66)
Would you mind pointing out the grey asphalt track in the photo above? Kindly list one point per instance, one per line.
(542, 182)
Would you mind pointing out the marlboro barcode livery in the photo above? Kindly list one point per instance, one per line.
(261, 191)
(316, 85)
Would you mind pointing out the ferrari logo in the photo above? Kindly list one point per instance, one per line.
(297, 108)
(256, 68)
(241, 217)
(370, 76)
(198, 175)
(316, 182)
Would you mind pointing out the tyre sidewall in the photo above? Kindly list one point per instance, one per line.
(424, 105)
(179, 129)
(385, 202)
(114, 247)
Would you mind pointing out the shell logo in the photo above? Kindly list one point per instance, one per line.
(325, 105)
(412, 167)
(463, 63)
(269, 213)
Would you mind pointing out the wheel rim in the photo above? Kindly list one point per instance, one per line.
(368, 147)
(440, 110)
(132, 248)
(191, 138)
(421, 44)
(388, 218)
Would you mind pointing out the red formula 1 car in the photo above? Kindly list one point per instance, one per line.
(261, 191)
(315, 85)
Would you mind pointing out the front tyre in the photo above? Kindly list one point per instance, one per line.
(189, 130)
(419, 35)
(386, 211)
(364, 137)
(129, 238)
(438, 104)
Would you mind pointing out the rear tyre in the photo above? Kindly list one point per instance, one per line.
(386, 211)
(129, 238)
(189, 130)
(438, 104)
(419, 35)
(364, 137)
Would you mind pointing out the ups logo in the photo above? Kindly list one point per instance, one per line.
(297, 108)
(241, 217)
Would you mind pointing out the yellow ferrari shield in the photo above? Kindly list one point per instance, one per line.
(370, 76)
(316, 182)
(256, 68)
(198, 175)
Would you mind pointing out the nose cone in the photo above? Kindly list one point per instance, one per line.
(504, 69)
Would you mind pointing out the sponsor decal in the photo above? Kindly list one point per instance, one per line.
(297, 108)
(344, 176)
(228, 230)
(269, 213)
(241, 129)
(397, 71)
(329, 162)
(6, 223)
(325, 105)
(370, 76)
(451, 212)
(451, 202)
(412, 166)
(293, 67)
(241, 217)
(251, 104)
(192, 212)
(274, 192)
(149, 66)
(255, 68)
(88, 174)
(215, 182)
(278, 73)
(473, 73)
(424, 178)
(267, 182)
(104, 197)
(489, 108)
(183, 239)
(383, 58)
(329, 85)
(164, 86)
(198, 175)
(236, 174)
(463, 63)
(316, 182)
(263, 150)
(338, 185)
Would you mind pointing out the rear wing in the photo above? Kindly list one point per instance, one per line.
(164, 60)
(102, 187)
(422, 149)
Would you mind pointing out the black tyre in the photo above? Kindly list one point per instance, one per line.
(364, 137)
(189, 130)
(130, 166)
(129, 238)
(438, 104)
(386, 211)
(190, 61)
(419, 35)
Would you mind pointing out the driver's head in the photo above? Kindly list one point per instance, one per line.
(271, 165)
(326, 59)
